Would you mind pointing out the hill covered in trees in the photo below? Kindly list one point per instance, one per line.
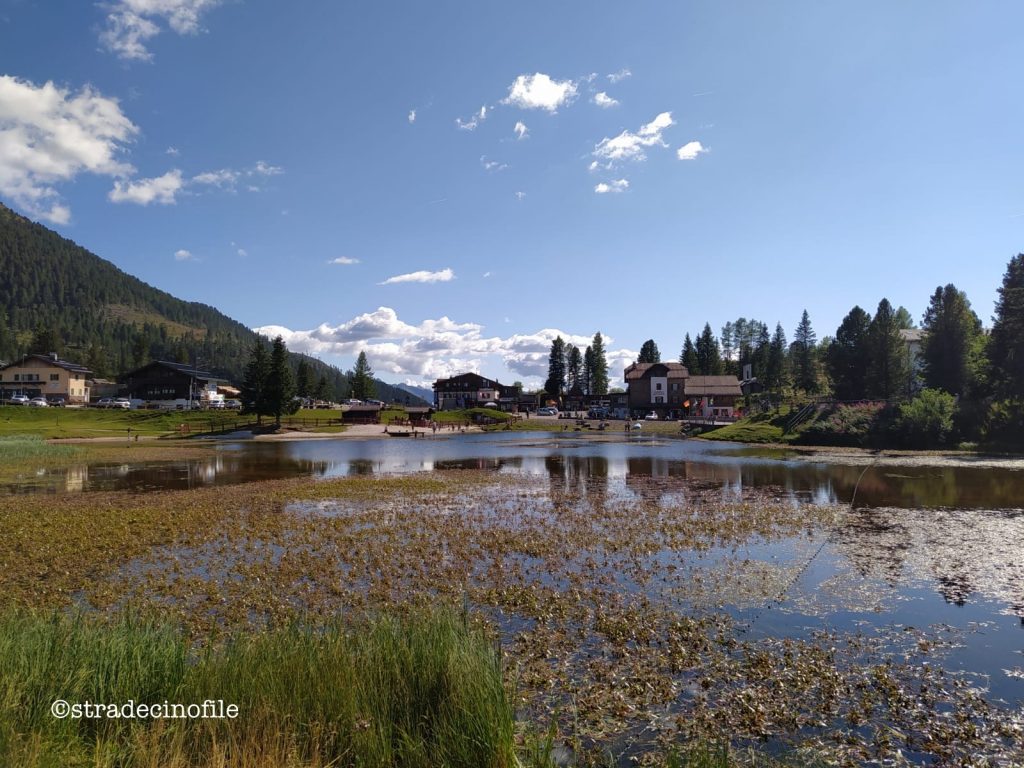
(59, 297)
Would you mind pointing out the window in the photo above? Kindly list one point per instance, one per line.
(17, 377)
(658, 386)
(659, 400)
(54, 377)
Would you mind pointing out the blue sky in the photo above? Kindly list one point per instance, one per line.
(676, 163)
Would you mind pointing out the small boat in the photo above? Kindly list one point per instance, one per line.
(400, 433)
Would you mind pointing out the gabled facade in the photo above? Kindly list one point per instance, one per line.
(170, 385)
(669, 390)
(467, 390)
(46, 376)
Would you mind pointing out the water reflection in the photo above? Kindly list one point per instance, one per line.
(572, 464)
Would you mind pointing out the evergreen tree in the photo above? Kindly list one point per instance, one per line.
(599, 373)
(804, 356)
(555, 383)
(688, 356)
(96, 360)
(46, 340)
(280, 383)
(762, 351)
(305, 382)
(888, 371)
(904, 320)
(362, 379)
(849, 356)
(728, 364)
(709, 358)
(776, 370)
(254, 384)
(649, 353)
(1006, 344)
(573, 368)
(322, 389)
(950, 340)
(588, 371)
(140, 351)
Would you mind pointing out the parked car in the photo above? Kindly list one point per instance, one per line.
(233, 405)
(104, 402)
(121, 402)
(547, 411)
(652, 416)
(353, 401)
(597, 413)
(38, 402)
(375, 402)
(18, 400)
(490, 404)
(56, 401)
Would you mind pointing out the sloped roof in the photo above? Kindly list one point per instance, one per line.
(639, 370)
(183, 368)
(712, 385)
(50, 360)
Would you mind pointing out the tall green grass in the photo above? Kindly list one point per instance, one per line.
(19, 447)
(421, 691)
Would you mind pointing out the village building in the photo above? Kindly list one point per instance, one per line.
(467, 390)
(168, 385)
(45, 376)
(669, 391)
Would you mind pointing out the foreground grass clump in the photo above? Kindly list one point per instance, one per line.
(423, 690)
(22, 447)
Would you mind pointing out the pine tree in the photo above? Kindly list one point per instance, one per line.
(362, 379)
(804, 356)
(45, 341)
(950, 340)
(555, 383)
(776, 370)
(709, 358)
(888, 371)
(304, 379)
(599, 372)
(649, 353)
(1006, 344)
(254, 384)
(573, 368)
(322, 389)
(849, 356)
(587, 381)
(280, 386)
(728, 349)
(688, 356)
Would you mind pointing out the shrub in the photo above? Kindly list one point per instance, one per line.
(926, 421)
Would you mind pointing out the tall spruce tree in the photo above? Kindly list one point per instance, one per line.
(1006, 344)
(688, 356)
(587, 381)
(776, 370)
(805, 356)
(599, 374)
(555, 384)
(254, 383)
(888, 372)
(709, 357)
(363, 387)
(280, 384)
(305, 381)
(728, 348)
(849, 356)
(573, 369)
(950, 340)
(649, 353)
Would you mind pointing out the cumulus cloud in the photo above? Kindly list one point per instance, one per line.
(225, 177)
(435, 348)
(604, 101)
(619, 76)
(160, 189)
(345, 260)
(619, 185)
(690, 150)
(492, 165)
(632, 146)
(412, 116)
(184, 255)
(132, 23)
(521, 131)
(520, 196)
(422, 276)
(173, 151)
(50, 135)
(540, 91)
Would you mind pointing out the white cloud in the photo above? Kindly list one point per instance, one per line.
(539, 91)
(690, 150)
(262, 169)
(471, 124)
(344, 260)
(173, 151)
(520, 196)
(521, 131)
(619, 185)
(492, 165)
(242, 252)
(183, 255)
(225, 177)
(161, 189)
(632, 146)
(49, 135)
(487, 274)
(132, 23)
(422, 276)
(604, 101)
(619, 76)
(412, 116)
(436, 348)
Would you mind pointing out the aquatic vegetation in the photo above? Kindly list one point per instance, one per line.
(629, 612)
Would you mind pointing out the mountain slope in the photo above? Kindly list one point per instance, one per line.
(100, 316)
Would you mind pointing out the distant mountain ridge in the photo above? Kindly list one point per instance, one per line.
(110, 321)
(421, 392)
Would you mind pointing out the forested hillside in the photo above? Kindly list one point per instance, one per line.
(56, 294)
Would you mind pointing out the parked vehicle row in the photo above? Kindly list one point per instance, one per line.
(35, 402)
